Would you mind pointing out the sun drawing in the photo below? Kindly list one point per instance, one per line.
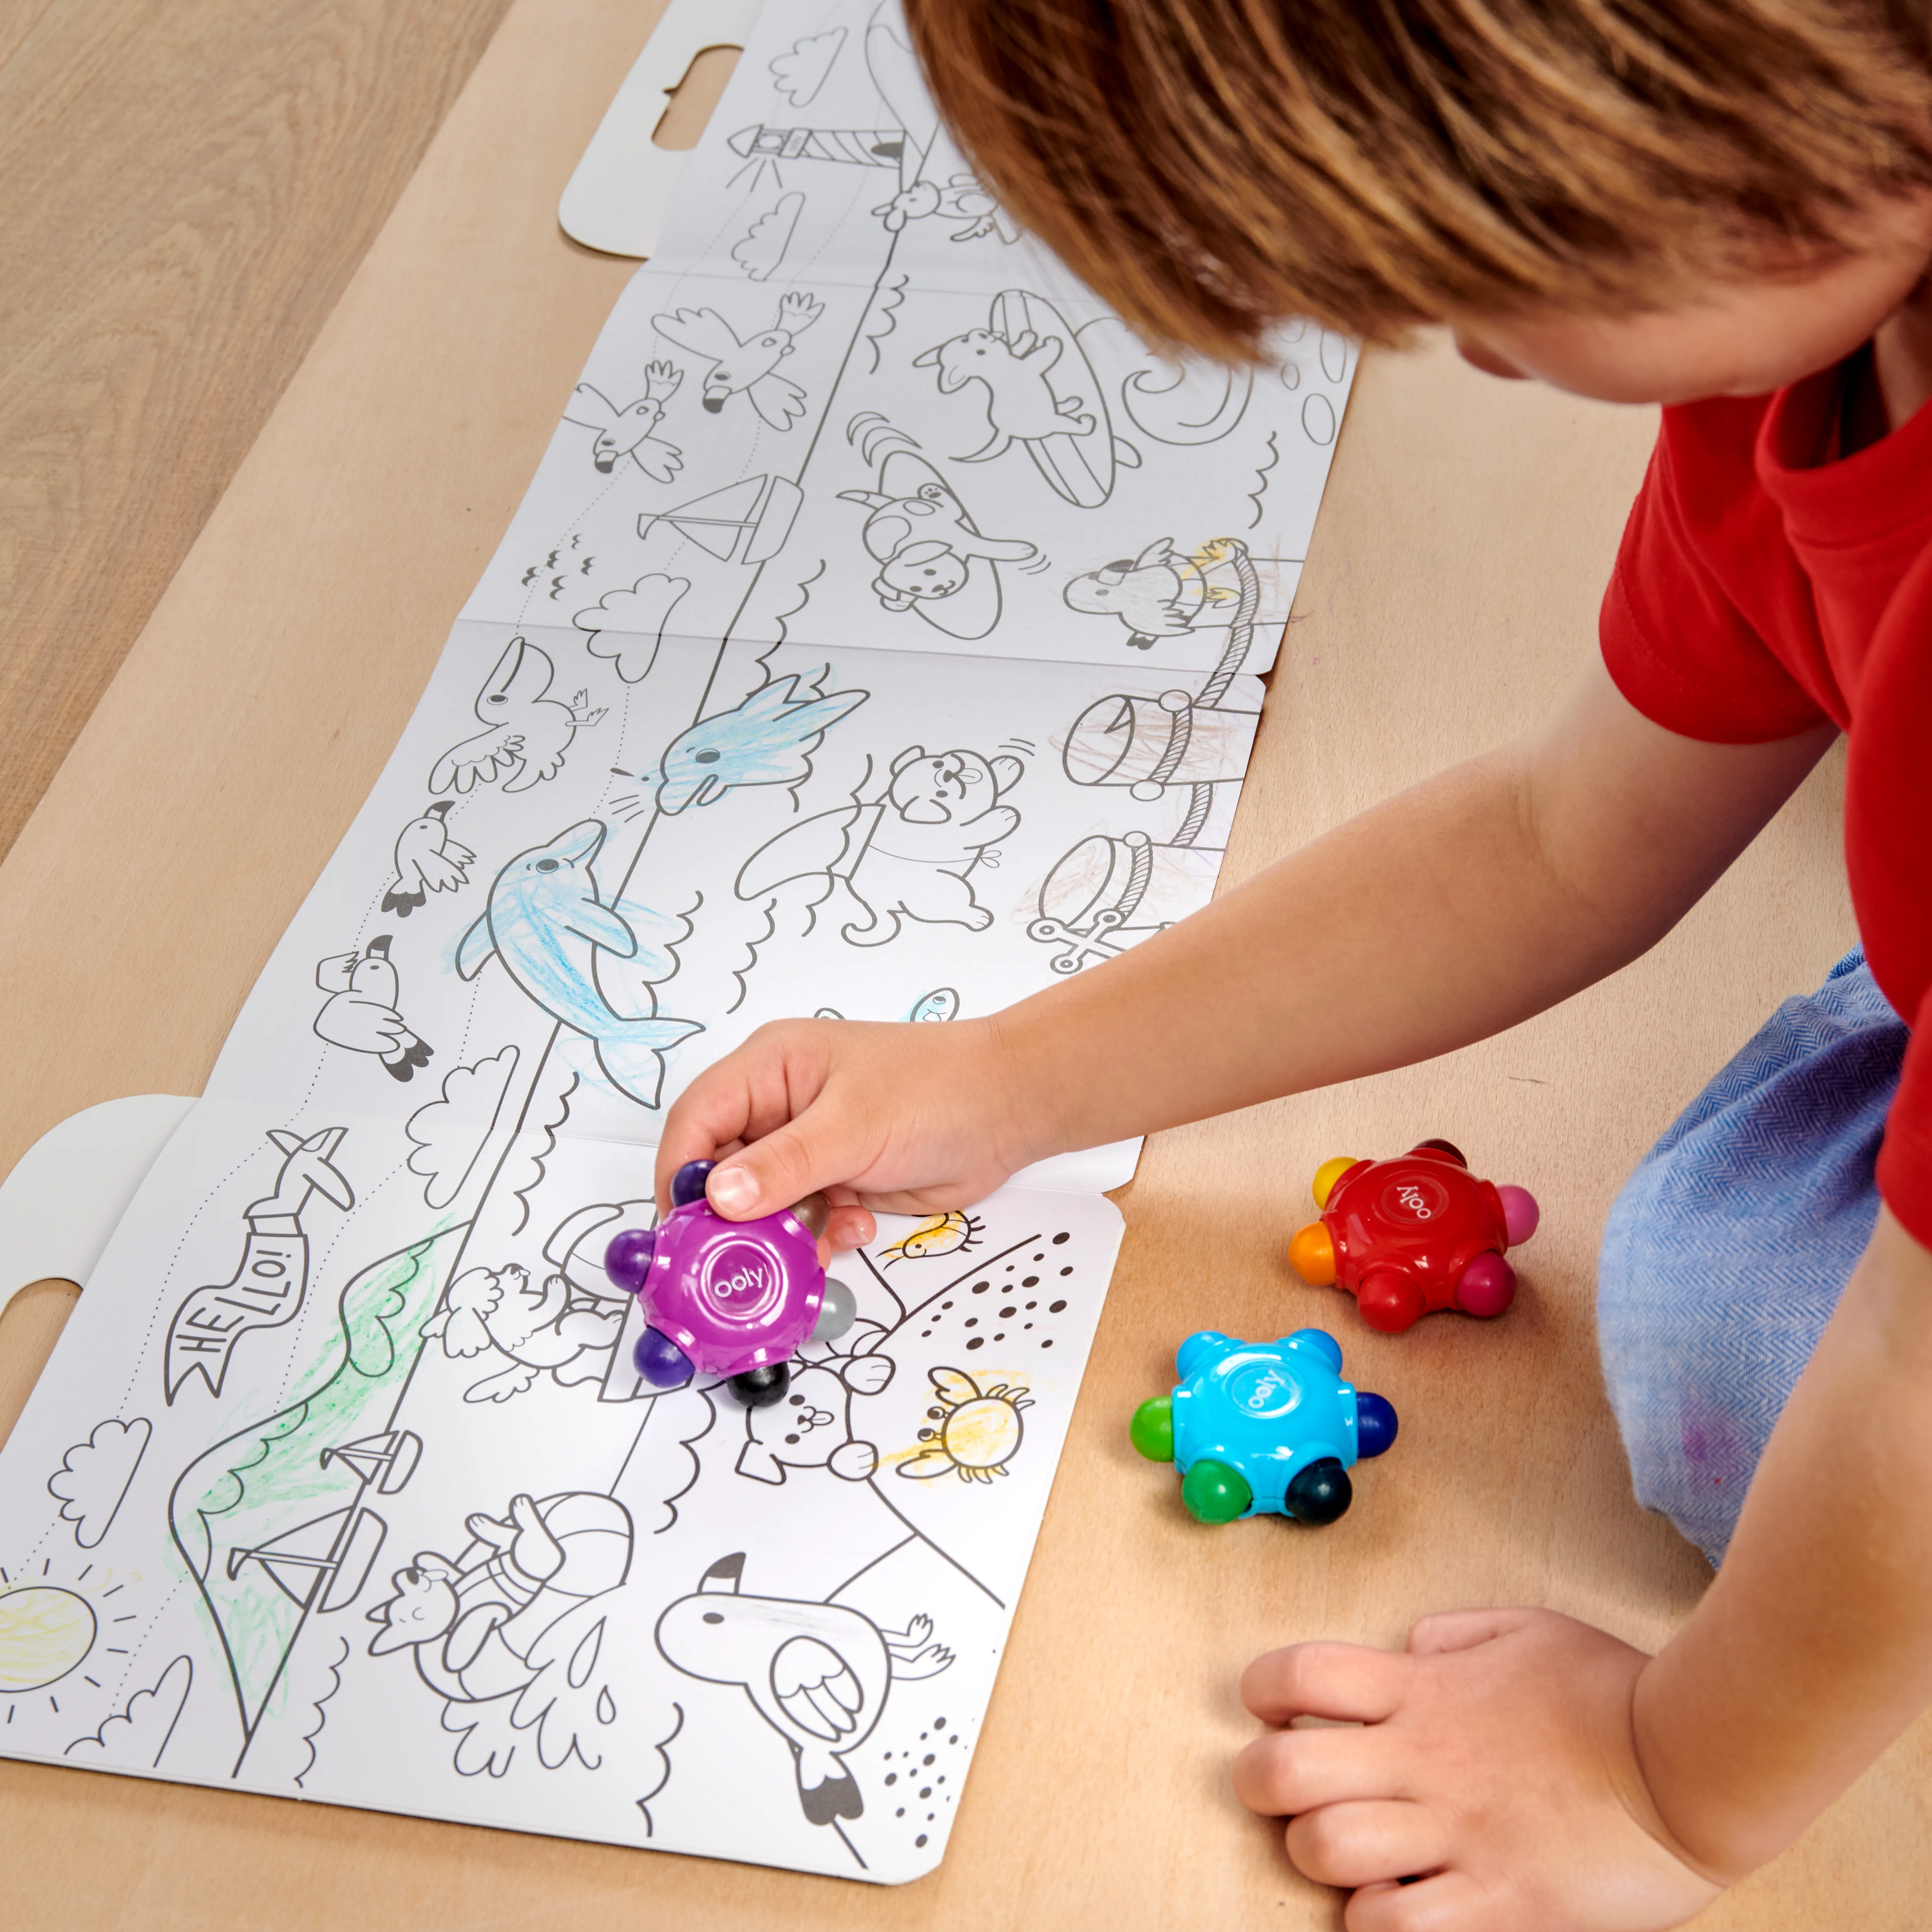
(975, 1430)
(45, 1632)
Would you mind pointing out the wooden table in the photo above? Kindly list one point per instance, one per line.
(1452, 591)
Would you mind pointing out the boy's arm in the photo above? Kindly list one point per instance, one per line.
(1545, 1777)
(1477, 899)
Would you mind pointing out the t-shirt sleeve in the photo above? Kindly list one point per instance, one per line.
(1675, 639)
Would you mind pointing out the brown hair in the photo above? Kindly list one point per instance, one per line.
(1209, 167)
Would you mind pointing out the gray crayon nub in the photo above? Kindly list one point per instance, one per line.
(841, 1310)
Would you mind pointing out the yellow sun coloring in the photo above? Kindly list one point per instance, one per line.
(976, 1430)
(956, 1233)
(44, 1632)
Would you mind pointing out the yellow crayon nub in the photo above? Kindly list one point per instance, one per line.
(1327, 1174)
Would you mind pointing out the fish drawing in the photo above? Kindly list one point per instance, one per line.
(768, 740)
(547, 924)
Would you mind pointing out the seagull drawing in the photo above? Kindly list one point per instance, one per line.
(427, 860)
(746, 366)
(817, 1673)
(631, 431)
(360, 1013)
(547, 1329)
(526, 734)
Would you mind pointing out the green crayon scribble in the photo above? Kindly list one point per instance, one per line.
(268, 1480)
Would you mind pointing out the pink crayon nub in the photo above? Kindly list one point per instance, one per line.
(1486, 1287)
(1520, 1213)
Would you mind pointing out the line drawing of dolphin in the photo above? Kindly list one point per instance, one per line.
(547, 924)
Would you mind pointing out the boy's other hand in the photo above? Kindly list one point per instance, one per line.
(909, 1119)
(1492, 1763)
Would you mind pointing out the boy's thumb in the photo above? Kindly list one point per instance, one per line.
(761, 1179)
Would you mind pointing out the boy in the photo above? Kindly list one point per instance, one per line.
(1722, 205)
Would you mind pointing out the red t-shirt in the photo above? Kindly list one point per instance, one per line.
(1766, 584)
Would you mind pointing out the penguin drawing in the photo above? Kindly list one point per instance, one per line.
(360, 1013)
(817, 1673)
(526, 734)
(428, 859)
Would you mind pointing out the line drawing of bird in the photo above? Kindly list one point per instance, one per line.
(745, 365)
(528, 733)
(1160, 593)
(817, 1673)
(631, 430)
(361, 1012)
(547, 1329)
(428, 859)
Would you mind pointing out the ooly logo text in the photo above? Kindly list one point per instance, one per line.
(743, 1282)
(1264, 1389)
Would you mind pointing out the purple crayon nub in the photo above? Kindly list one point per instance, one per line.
(687, 1184)
(627, 1261)
(660, 1360)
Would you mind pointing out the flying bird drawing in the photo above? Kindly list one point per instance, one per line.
(527, 733)
(549, 1328)
(428, 859)
(746, 366)
(361, 1012)
(631, 431)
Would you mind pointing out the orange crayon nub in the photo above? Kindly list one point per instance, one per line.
(1311, 1252)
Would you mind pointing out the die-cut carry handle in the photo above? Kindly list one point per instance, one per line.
(617, 200)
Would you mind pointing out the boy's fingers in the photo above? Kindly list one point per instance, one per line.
(851, 1228)
(1290, 1771)
(1367, 1843)
(1347, 1680)
(1451, 1901)
(1462, 1630)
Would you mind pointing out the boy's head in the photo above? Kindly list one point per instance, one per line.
(1209, 167)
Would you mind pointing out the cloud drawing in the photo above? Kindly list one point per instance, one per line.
(800, 71)
(94, 1474)
(139, 1734)
(452, 1133)
(627, 626)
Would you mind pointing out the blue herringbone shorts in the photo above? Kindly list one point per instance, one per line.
(1728, 1247)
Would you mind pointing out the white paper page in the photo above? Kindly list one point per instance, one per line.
(848, 404)
(340, 1484)
(270, 1522)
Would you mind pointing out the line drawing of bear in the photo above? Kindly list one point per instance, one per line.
(812, 1429)
(907, 855)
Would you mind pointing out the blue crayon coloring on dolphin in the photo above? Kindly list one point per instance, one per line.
(547, 924)
(768, 740)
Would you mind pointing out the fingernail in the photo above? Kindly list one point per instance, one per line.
(732, 1190)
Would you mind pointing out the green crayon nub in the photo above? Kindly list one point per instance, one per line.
(1152, 1429)
(1215, 1492)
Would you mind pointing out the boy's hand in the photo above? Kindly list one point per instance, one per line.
(1493, 1762)
(910, 1119)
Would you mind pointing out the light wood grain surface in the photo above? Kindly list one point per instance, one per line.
(1451, 591)
(188, 185)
